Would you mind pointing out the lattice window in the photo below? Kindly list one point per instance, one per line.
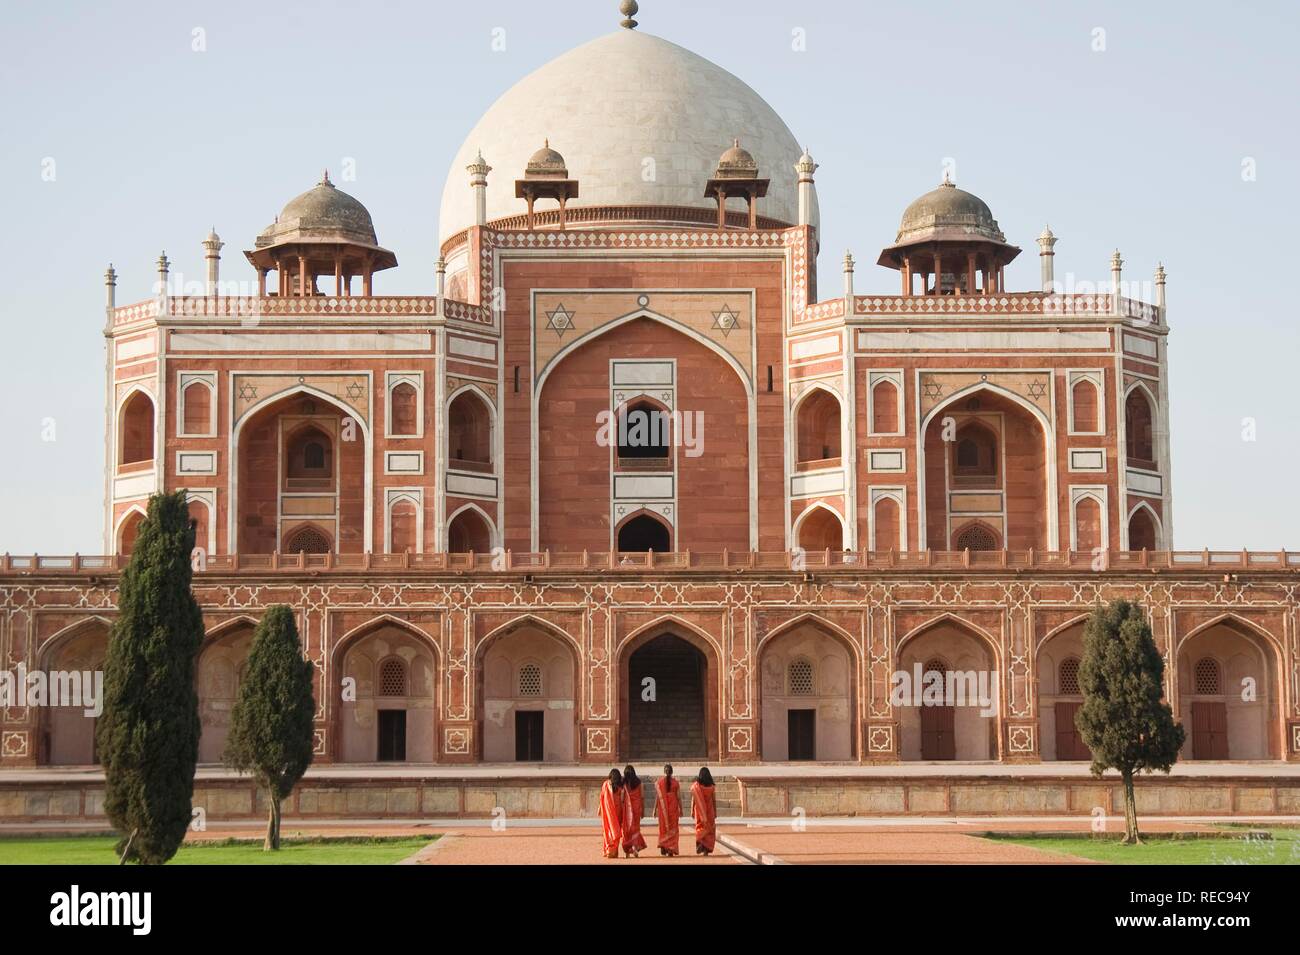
(936, 666)
(801, 678)
(1067, 681)
(1206, 677)
(392, 678)
(975, 537)
(308, 540)
(530, 680)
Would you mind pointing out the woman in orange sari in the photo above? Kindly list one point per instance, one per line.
(611, 814)
(633, 810)
(668, 809)
(704, 810)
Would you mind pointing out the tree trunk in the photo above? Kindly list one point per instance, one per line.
(1131, 835)
(272, 825)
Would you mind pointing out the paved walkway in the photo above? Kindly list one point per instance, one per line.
(551, 846)
(822, 842)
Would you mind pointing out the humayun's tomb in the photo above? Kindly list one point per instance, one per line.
(944, 478)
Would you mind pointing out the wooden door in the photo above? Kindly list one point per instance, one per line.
(1069, 744)
(802, 730)
(938, 739)
(529, 727)
(1209, 730)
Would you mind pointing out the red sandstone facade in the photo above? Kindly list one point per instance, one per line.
(947, 478)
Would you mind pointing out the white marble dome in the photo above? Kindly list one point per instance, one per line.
(608, 106)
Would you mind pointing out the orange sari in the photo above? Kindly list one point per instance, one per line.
(611, 819)
(633, 810)
(668, 809)
(706, 816)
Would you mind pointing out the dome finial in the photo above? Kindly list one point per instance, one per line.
(325, 178)
(628, 8)
(947, 179)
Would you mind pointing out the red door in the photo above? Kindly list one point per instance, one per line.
(938, 741)
(1069, 744)
(1209, 730)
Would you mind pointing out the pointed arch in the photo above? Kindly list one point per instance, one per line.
(196, 416)
(607, 327)
(69, 632)
(422, 734)
(1156, 526)
(471, 429)
(953, 731)
(825, 724)
(131, 447)
(135, 513)
(493, 538)
(218, 630)
(1223, 722)
(1140, 422)
(557, 729)
(232, 523)
(993, 644)
(1049, 454)
(810, 618)
(797, 529)
(528, 620)
(642, 514)
(710, 652)
(1061, 628)
(1238, 622)
(666, 622)
(818, 416)
(1077, 543)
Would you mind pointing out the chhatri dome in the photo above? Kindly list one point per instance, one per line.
(948, 213)
(640, 121)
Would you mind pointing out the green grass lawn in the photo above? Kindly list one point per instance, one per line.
(1282, 849)
(98, 850)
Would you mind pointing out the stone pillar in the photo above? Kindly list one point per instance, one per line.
(805, 168)
(1116, 273)
(164, 268)
(1047, 259)
(110, 287)
(212, 258)
(1160, 289)
(478, 172)
(848, 278)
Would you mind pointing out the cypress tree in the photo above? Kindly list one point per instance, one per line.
(271, 731)
(1124, 719)
(148, 734)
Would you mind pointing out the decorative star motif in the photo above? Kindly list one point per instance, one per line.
(933, 389)
(248, 392)
(560, 320)
(355, 391)
(725, 320)
(1037, 390)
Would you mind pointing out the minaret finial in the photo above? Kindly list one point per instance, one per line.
(628, 8)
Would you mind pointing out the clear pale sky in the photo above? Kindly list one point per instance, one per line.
(1147, 145)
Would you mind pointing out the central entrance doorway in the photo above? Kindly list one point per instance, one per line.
(666, 700)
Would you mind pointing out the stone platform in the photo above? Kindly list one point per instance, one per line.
(73, 795)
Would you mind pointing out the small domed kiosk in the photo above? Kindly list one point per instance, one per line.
(324, 231)
(949, 237)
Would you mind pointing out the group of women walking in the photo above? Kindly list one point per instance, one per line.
(622, 804)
